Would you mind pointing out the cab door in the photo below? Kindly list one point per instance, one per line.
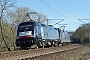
(42, 32)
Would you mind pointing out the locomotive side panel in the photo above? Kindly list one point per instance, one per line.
(67, 37)
(51, 36)
(64, 37)
(52, 33)
(39, 30)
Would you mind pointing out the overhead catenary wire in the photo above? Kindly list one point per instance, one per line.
(38, 8)
(64, 8)
(35, 7)
(83, 21)
(30, 5)
(56, 11)
(69, 12)
(58, 22)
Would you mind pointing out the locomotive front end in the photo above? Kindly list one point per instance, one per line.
(25, 34)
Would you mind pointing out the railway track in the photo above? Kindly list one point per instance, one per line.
(25, 54)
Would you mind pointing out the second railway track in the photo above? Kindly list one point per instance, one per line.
(22, 54)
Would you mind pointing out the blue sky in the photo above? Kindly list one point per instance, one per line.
(69, 10)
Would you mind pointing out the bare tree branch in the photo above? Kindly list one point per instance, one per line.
(3, 7)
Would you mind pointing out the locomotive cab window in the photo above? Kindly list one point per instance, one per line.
(26, 26)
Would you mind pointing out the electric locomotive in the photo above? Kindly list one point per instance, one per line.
(29, 33)
(64, 37)
(34, 33)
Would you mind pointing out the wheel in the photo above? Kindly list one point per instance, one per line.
(56, 44)
(63, 44)
(36, 47)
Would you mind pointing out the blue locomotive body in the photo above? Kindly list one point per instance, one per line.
(34, 33)
(29, 33)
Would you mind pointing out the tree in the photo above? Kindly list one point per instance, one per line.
(82, 34)
(20, 15)
(42, 18)
(4, 5)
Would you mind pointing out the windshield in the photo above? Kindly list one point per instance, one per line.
(26, 26)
